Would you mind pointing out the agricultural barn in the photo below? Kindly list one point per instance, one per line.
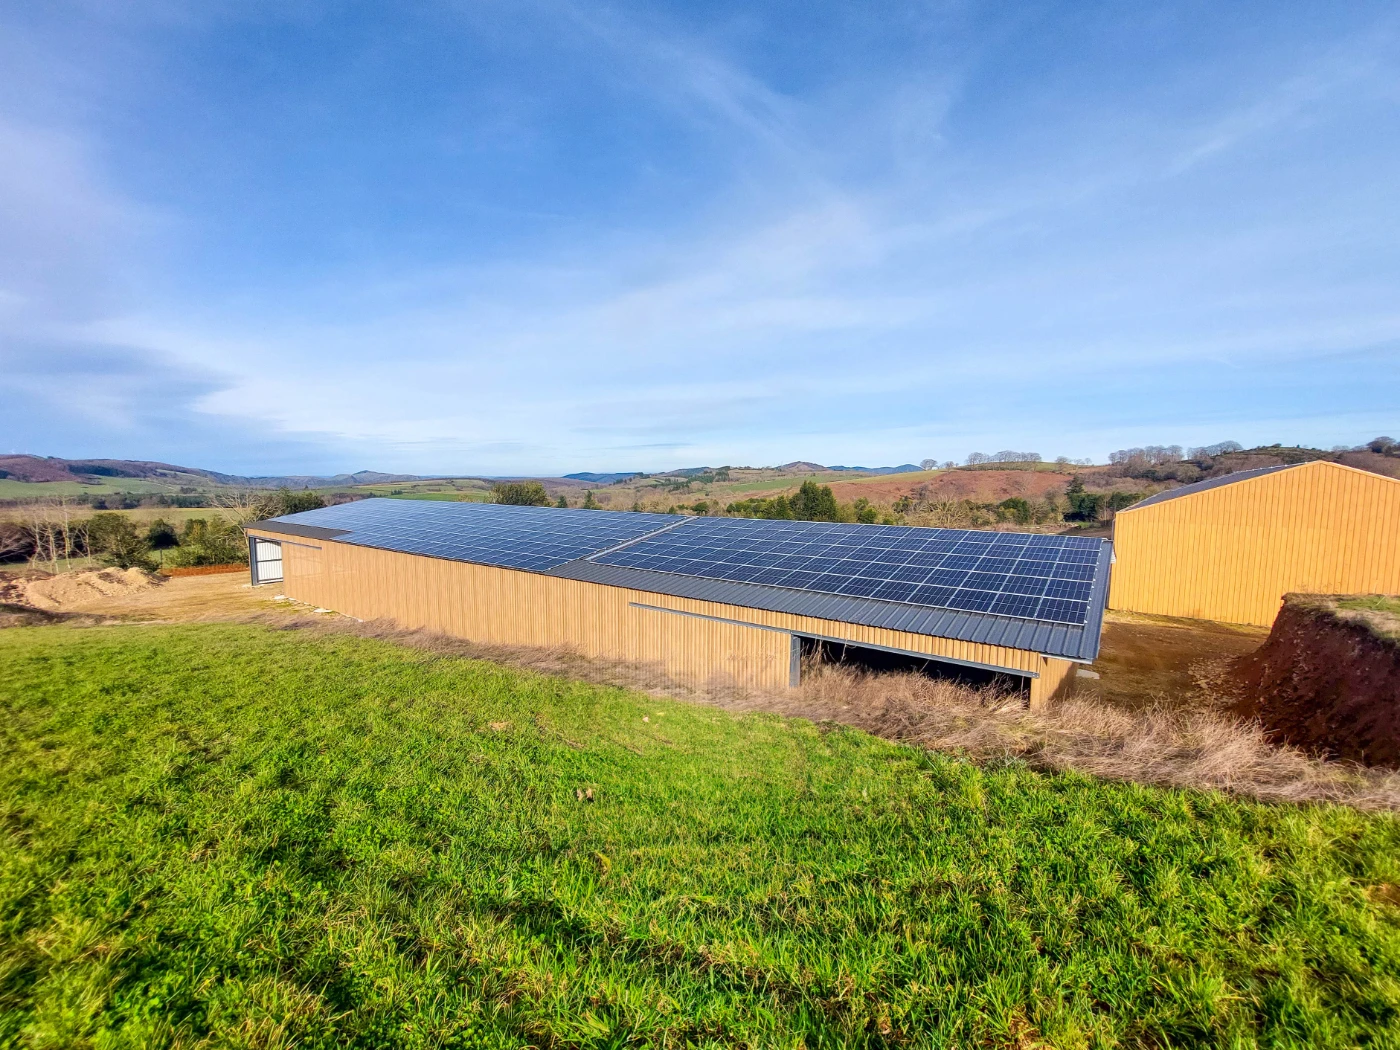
(735, 599)
(1230, 548)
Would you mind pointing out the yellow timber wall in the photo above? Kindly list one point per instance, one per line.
(689, 639)
(1232, 552)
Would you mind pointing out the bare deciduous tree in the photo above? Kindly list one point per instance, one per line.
(243, 506)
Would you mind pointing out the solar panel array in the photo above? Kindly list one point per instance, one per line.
(1047, 578)
(536, 538)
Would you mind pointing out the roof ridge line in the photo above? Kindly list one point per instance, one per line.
(635, 539)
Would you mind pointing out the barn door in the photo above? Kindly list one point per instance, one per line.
(267, 561)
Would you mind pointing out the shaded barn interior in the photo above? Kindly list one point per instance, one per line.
(817, 651)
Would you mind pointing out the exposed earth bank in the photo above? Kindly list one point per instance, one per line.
(1328, 678)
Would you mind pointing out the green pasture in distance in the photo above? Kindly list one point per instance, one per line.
(12, 489)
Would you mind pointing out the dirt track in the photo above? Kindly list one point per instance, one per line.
(132, 595)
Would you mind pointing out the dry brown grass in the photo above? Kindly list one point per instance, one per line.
(1200, 748)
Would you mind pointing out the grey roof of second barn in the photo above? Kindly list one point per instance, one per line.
(1211, 483)
(735, 561)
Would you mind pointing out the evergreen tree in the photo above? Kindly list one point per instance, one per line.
(814, 502)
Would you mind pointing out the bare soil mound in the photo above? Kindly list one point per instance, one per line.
(72, 590)
(980, 486)
(1326, 680)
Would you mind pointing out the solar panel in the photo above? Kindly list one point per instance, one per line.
(1047, 578)
(535, 538)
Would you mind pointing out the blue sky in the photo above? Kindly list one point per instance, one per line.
(531, 237)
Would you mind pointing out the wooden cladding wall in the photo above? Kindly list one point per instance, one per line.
(1232, 552)
(508, 607)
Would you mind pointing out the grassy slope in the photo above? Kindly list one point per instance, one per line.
(1380, 611)
(1372, 602)
(12, 489)
(261, 838)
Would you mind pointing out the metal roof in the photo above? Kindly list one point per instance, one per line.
(1211, 483)
(565, 544)
(291, 528)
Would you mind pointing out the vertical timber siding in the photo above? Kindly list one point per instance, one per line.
(1056, 677)
(1232, 552)
(508, 607)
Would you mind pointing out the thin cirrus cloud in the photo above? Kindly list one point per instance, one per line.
(552, 237)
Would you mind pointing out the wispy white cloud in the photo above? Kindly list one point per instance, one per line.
(943, 296)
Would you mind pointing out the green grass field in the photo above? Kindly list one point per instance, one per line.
(12, 489)
(222, 835)
(464, 496)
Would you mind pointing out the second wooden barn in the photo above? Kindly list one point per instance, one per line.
(738, 600)
(1230, 548)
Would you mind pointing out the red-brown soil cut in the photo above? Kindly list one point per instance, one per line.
(201, 570)
(1328, 677)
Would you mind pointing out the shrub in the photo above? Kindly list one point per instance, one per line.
(1122, 500)
(289, 502)
(210, 542)
(161, 535)
(589, 503)
(864, 513)
(116, 540)
(1015, 509)
(102, 528)
(563, 503)
(520, 494)
(776, 508)
(1083, 506)
(16, 541)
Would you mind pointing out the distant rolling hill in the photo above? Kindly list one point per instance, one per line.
(816, 468)
(903, 468)
(602, 479)
(52, 468)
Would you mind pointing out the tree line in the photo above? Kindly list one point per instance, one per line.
(53, 532)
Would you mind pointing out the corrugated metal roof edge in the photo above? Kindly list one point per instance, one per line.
(1098, 602)
(1061, 640)
(292, 528)
(1213, 483)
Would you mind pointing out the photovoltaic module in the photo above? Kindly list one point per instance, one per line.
(1048, 578)
(533, 538)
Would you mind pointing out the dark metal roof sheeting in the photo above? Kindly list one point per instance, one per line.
(1211, 483)
(291, 528)
(1051, 639)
